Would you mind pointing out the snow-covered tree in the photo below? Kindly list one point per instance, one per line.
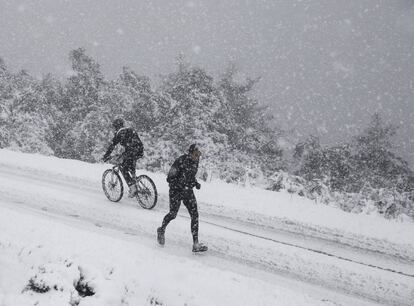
(148, 108)
(82, 96)
(194, 103)
(26, 113)
(82, 88)
(248, 122)
(375, 158)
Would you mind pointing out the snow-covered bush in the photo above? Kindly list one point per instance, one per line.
(285, 181)
(388, 202)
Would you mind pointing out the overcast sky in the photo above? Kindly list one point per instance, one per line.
(325, 65)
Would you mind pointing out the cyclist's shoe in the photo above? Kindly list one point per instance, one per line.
(160, 235)
(132, 191)
(199, 247)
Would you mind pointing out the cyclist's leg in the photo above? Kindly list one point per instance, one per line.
(128, 168)
(190, 202)
(132, 169)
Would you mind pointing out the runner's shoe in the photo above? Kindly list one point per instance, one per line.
(199, 247)
(160, 236)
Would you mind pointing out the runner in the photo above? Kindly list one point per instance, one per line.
(182, 179)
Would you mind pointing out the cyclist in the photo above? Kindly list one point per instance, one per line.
(134, 149)
(182, 179)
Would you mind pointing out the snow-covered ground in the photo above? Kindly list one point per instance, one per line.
(266, 248)
(55, 254)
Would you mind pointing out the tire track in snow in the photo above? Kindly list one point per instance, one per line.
(307, 249)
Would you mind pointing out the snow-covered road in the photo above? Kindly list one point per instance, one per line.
(340, 264)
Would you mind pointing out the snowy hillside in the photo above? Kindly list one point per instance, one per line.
(62, 241)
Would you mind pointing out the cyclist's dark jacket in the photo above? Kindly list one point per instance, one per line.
(182, 174)
(129, 139)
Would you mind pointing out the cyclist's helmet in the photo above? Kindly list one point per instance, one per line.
(118, 123)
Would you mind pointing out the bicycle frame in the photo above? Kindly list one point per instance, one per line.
(115, 170)
(118, 159)
(146, 189)
(141, 188)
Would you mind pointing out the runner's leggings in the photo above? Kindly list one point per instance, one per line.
(189, 201)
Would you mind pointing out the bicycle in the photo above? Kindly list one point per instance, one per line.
(113, 187)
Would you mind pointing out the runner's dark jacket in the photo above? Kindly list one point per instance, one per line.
(129, 139)
(182, 174)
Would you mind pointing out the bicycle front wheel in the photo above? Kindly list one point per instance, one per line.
(112, 185)
(147, 194)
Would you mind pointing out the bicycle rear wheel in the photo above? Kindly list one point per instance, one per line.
(147, 192)
(112, 185)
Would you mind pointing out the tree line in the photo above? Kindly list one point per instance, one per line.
(71, 118)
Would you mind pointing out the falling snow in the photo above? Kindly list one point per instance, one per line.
(309, 98)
